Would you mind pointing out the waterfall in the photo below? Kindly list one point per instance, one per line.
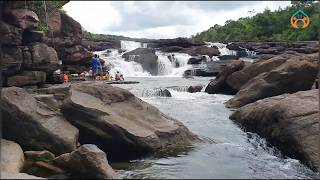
(169, 64)
(172, 64)
(222, 48)
(116, 63)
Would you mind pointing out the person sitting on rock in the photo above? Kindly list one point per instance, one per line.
(95, 65)
(106, 76)
(98, 77)
(117, 76)
(121, 77)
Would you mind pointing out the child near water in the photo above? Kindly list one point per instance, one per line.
(66, 77)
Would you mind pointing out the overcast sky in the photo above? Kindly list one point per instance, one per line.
(161, 19)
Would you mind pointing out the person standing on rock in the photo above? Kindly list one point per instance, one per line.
(95, 65)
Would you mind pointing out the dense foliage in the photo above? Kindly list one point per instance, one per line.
(267, 25)
(44, 9)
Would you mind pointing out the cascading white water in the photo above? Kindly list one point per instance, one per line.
(114, 60)
(222, 48)
(116, 63)
(169, 64)
(172, 64)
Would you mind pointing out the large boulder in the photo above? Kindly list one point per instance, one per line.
(144, 56)
(34, 125)
(10, 35)
(86, 161)
(219, 85)
(61, 26)
(290, 122)
(292, 76)
(22, 18)
(239, 78)
(202, 50)
(120, 123)
(71, 28)
(11, 60)
(74, 55)
(12, 157)
(26, 78)
(40, 57)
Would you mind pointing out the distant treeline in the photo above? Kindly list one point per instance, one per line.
(267, 26)
(102, 37)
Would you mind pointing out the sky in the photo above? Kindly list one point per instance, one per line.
(161, 19)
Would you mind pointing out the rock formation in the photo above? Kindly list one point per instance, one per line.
(119, 123)
(289, 121)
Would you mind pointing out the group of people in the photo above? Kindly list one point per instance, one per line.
(101, 73)
(96, 72)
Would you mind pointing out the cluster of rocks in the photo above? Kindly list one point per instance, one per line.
(270, 49)
(82, 122)
(30, 56)
(26, 59)
(275, 99)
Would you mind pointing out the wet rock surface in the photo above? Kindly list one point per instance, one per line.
(288, 121)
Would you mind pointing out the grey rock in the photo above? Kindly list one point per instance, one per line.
(34, 125)
(289, 121)
(86, 161)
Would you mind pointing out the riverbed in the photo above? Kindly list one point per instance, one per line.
(227, 151)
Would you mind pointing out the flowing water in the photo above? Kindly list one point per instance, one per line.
(227, 151)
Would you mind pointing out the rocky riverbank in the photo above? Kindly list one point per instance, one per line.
(86, 120)
(276, 96)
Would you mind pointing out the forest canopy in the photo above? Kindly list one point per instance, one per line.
(267, 26)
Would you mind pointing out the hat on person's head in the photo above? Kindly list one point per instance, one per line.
(95, 55)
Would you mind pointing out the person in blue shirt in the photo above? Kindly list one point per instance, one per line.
(95, 66)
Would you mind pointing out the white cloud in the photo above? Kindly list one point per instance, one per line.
(161, 19)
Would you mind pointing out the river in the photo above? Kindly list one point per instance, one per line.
(227, 151)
